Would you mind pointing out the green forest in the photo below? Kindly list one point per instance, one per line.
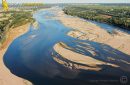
(115, 15)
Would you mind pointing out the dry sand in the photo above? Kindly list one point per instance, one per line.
(6, 77)
(88, 31)
(91, 63)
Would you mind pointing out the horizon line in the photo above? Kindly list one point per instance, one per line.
(69, 3)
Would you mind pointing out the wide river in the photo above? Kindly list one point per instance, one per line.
(30, 55)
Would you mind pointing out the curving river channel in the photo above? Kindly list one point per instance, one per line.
(30, 56)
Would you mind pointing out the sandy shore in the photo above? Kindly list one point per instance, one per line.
(6, 77)
(84, 30)
(91, 63)
(88, 31)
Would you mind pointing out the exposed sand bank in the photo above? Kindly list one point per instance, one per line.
(91, 63)
(88, 31)
(6, 77)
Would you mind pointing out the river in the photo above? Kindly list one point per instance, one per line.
(30, 55)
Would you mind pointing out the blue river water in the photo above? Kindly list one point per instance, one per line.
(30, 56)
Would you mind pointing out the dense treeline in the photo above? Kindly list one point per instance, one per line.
(32, 4)
(14, 20)
(115, 15)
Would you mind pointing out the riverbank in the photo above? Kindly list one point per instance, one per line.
(6, 77)
(88, 31)
(106, 14)
(91, 64)
(85, 30)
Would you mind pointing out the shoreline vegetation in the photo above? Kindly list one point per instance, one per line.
(6, 77)
(12, 25)
(13, 20)
(18, 15)
(113, 15)
(85, 30)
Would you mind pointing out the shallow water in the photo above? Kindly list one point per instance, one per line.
(30, 55)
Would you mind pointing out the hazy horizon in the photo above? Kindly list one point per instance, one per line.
(67, 1)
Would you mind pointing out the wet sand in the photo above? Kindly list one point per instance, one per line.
(6, 77)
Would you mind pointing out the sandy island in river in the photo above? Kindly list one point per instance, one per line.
(91, 63)
(88, 31)
(6, 77)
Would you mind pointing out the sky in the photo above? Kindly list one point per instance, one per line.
(68, 1)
